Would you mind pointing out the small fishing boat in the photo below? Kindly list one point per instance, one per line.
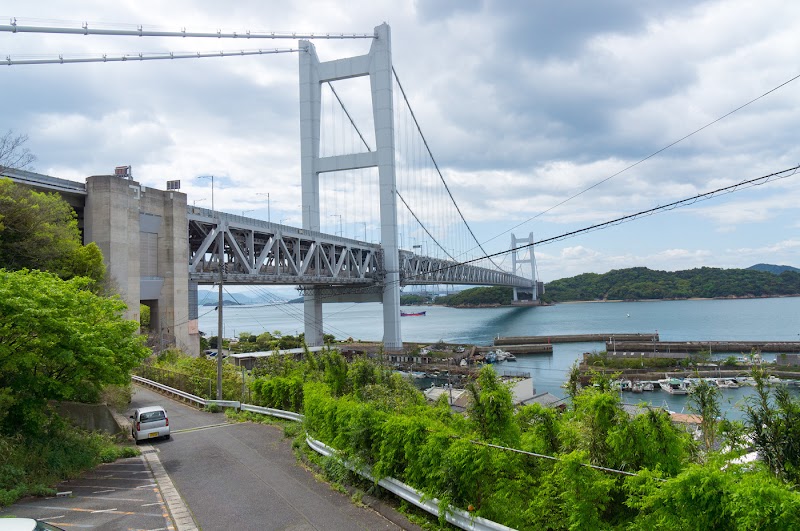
(412, 314)
(673, 386)
(727, 384)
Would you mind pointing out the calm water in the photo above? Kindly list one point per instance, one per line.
(702, 320)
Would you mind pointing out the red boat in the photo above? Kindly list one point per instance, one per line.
(411, 314)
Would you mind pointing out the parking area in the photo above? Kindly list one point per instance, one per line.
(116, 496)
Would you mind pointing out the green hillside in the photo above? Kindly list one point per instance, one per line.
(643, 283)
(477, 297)
(774, 269)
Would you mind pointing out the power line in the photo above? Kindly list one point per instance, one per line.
(758, 181)
(783, 174)
(648, 157)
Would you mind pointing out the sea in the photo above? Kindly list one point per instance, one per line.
(769, 319)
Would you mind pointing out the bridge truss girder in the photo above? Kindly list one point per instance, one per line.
(258, 252)
(424, 270)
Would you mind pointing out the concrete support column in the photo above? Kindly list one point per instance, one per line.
(382, 85)
(310, 109)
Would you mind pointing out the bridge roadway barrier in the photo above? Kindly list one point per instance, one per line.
(777, 347)
(458, 517)
(573, 338)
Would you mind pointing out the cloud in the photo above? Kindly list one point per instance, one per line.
(527, 107)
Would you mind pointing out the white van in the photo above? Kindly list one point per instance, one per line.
(149, 422)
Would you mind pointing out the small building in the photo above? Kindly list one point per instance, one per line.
(546, 400)
(248, 359)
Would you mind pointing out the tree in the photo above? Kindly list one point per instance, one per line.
(13, 153)
(40, 231)
(491, 410)
(704, 400)
(58, 341)
(775, 425)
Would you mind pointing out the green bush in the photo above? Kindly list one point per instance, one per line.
(30, 467)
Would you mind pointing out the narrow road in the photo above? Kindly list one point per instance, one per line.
(245, 476)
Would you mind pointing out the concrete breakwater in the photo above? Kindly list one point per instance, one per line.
(777, 347)
(521, 349)
(573, 338)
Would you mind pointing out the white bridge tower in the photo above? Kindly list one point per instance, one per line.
(377, 64)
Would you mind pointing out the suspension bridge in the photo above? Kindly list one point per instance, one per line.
(370, 186)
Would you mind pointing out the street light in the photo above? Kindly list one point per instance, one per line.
(340, 222)
(365, 231)
(416, 247)
(268, 213)
(195, 201)
(220, 303)
(212, 187)
(246, 211)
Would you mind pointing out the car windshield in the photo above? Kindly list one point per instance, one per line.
(151, 416)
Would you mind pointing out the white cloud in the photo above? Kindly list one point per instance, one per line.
(525, 105)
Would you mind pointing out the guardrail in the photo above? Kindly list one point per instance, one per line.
(455, 516)
(290, 415)
(171, 390)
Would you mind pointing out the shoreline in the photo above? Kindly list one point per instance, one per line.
(727, 298)
(601, 301)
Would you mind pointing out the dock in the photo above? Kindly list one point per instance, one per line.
(575, 338)
(777, 347)
(521, 349)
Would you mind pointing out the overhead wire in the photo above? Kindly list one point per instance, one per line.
(648, 157)
(748, 183)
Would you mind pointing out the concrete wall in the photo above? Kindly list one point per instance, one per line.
(143, 234)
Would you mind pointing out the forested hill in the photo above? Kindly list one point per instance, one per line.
(771, 268)
(643, 283)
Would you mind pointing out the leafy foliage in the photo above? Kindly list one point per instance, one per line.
(58, 341)
(704, 399)
(774, 420)
(643, 283)
(40, 231)
(527, 467)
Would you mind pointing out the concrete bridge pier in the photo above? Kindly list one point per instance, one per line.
(143, 234)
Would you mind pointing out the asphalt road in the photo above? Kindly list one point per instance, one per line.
(245, 476)
(116, 496)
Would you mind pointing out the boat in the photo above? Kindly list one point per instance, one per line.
(647, 386)
(724, 383)
(412, 314)
(637, 387)
(502, 355)
(673, 386)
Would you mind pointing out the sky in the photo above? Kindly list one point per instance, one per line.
(524, 105)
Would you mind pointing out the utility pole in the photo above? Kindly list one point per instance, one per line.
(221, 254)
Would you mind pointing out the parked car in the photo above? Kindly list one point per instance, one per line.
(26, 524)
(149, 422)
